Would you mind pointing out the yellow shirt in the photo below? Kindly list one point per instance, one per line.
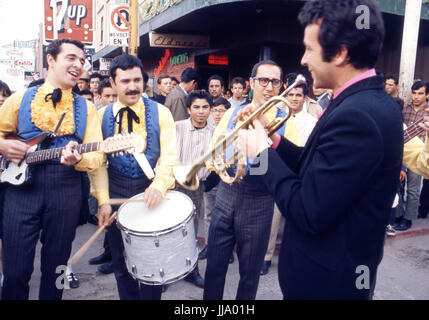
(291, 128)
(46, 117)
(416, 156)
(164, 178)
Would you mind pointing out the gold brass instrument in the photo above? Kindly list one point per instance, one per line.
(186, 174)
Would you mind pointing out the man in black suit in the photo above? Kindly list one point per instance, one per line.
(337, 191)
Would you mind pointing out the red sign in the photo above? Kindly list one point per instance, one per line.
(163, 63)
(218, 60)
(119, 18)
(73, 19)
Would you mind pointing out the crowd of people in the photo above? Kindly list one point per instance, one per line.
(332, 169)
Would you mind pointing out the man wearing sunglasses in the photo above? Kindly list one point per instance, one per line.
(242, 213)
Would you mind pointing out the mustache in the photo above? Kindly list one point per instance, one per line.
(131, 93)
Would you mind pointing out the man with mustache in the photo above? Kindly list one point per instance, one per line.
(51, 203)
(124, 178)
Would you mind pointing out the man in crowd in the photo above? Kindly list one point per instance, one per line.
(123, 178)
(107, 94)
(237, 87)
(50, 204)
(215, 86)
(407, 212)
(83, 82)
(176, 100)
(391, 82)
(220, 106)
(94, 81)
(87, 95)
(164, 87)
(4, 92)
(193, 140)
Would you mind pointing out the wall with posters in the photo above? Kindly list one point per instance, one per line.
(15, 62)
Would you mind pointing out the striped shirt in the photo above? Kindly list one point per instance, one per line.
(192, 143)
(411, 116)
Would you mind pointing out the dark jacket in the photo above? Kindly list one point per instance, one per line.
(336, 194)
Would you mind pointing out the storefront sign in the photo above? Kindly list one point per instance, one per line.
(105, 64)
(73, 19)
(220, 60)
(162, 63)
(181, 58)
(178, 40)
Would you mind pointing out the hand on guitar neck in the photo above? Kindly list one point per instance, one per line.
(425, 123)
(70, 156)
(14, 150)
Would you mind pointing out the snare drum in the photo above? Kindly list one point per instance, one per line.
(160, 246)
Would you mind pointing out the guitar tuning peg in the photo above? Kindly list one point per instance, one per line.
(121, 153)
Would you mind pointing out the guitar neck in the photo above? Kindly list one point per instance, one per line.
(413, 130)
(49, 154)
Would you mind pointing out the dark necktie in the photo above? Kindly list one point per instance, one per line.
(131, 115)
(55, 96)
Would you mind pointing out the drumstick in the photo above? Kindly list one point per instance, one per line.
(87, 244)
(123, 200)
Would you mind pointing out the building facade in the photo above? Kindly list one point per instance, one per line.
(227, 37)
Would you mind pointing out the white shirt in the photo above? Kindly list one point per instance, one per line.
(306, 123)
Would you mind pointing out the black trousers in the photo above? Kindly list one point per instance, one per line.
(243, 215)
(49, 208)
(128, 288)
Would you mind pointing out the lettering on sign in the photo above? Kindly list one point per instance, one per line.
(74, 19)
(180, 59)
(178, 41)
(119, 25)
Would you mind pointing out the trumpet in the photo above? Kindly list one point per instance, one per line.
(186, 174)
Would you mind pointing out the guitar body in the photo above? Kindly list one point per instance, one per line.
(39, 152)
(18, 174)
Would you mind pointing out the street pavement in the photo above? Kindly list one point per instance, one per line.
(402, 274)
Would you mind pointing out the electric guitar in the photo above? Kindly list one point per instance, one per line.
(20, 173)
(413, 130)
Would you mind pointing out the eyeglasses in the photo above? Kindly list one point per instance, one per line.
(218, 110)
(264, 82)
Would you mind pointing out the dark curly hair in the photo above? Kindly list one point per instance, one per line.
(339, 28)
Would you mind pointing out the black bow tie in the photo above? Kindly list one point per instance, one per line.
(131, 115)
(55, 96)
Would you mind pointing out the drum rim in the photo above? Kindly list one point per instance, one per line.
(158, 283)
(158, 232)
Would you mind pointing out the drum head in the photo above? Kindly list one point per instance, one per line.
(174, 209)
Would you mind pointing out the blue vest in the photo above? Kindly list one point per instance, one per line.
(231, 125)
(27, 130)
(127, 164)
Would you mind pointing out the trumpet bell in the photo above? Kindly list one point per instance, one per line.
(181, 173)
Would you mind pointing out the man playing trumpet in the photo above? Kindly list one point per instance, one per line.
(243, 211)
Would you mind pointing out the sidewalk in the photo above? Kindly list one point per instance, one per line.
(419, 227)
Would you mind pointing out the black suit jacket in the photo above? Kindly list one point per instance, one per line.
(336, 194)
